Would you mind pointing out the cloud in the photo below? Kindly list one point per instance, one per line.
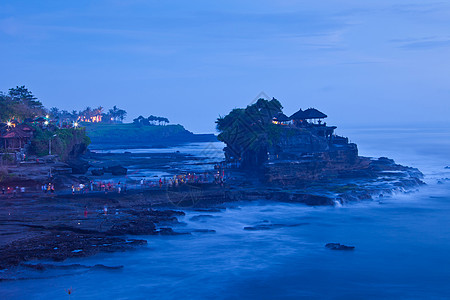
(426, 43)
(423, 8)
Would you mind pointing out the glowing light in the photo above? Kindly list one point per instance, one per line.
(46, 122)
(9, 124)
(47, 116)
(75, 124)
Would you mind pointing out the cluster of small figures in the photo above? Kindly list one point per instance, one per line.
(12, 190)
(48, 188)
(218, 177)
(189, 178)
(100, 186)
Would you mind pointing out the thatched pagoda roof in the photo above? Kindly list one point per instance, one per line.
(281, 118)
(15, 133)
(299, 115)
(310, 113)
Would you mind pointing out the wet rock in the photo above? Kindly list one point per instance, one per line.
(135, 227)
(169, 231)
(208, 210)
(201, 217)
(158, 216)
(78, 166)
(60, 245)
(43, 267)
(97, 172)
(204, 230)
(337, 246)
(116, 170)
(271, 226)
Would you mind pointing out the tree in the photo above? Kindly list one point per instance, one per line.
(121, 114)
(249, 132)
(54, 112)
(21, 93)
(151, 119)
(117, 114)
(19, 104)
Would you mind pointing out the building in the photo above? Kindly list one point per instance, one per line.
(281, 119)
(15, 139)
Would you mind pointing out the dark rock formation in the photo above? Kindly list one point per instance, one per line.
(79, 166)
(169, 231)
(60, 246)
(337, 246)
(77, 150)
(138, 226)
(201, 217)
(97, 172)
(269, 226)
(204, 230)
(43, 267)
(116, 170)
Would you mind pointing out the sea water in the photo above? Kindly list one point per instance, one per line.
(402, 245)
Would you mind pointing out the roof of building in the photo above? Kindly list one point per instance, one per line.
(15, 133)
(281, 117)
(310, 113)
(299, 115)
(25, 127)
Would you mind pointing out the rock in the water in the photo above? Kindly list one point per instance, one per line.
(201, 217)
(204, 230)
(169, 231)
(78, 166)
(337, 246)
(97, 172)
(116, 170)
(272, 226)
(135, 227)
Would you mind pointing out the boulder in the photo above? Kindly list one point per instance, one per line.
(337, 246)
(116, 170)
(78, 166)
(97, 172)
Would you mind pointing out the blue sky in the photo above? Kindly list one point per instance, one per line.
(361, 62)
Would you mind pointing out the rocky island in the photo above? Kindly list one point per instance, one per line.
(301, 153)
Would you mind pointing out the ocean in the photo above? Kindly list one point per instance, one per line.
(402, 244)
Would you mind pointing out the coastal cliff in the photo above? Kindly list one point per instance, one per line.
(117, 135)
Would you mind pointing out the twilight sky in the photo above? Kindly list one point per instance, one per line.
(360, 62)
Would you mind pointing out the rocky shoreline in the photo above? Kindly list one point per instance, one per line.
(58, 226)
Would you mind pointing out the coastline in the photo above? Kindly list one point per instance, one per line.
(43, 226)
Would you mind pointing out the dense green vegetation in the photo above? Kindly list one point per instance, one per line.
(249, 132)
(62, 141)
(19, 104)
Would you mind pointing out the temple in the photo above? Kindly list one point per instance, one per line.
(306, 133)
(14, 137)
(285, 149)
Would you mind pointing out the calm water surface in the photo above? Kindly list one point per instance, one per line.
(402, 245)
